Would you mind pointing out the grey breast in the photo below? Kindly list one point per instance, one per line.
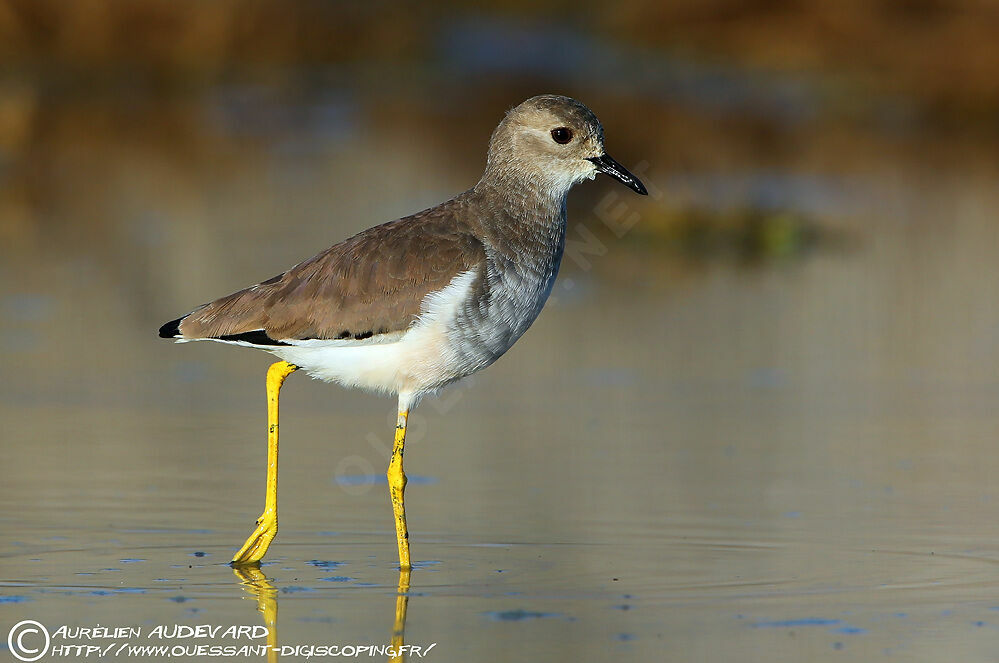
(522, 262)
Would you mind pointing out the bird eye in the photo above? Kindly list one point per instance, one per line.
(562, 135)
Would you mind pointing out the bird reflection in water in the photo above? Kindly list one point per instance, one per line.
(263, 590)
(401, 606)
(260, 587)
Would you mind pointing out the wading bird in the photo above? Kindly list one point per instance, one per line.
(412, 305)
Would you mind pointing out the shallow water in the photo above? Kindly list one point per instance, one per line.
(687, 458)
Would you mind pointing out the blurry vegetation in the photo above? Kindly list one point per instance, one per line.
(697, 237)
(749, 236)
(187, 89)
(942, 52)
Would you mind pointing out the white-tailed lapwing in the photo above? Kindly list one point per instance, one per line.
(412, 305)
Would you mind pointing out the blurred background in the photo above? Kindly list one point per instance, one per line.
(757, 396)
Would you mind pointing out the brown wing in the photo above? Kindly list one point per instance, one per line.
(372, 283)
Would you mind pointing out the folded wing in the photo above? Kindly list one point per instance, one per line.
(365, 286)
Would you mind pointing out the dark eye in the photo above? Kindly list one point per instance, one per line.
(562, 135)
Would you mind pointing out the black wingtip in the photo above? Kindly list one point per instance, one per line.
(171, 329)
(256, 337)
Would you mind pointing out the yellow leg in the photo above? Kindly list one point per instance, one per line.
(397, 489)
(267, 525)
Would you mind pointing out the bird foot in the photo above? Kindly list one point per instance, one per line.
(257, 544)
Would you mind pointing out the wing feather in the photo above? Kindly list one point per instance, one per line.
(370, 284)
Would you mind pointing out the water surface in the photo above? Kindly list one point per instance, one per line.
(690, 456)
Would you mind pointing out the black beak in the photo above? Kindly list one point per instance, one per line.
(607, 165)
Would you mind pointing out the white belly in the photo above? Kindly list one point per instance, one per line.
(421, 359)
(453, 337)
